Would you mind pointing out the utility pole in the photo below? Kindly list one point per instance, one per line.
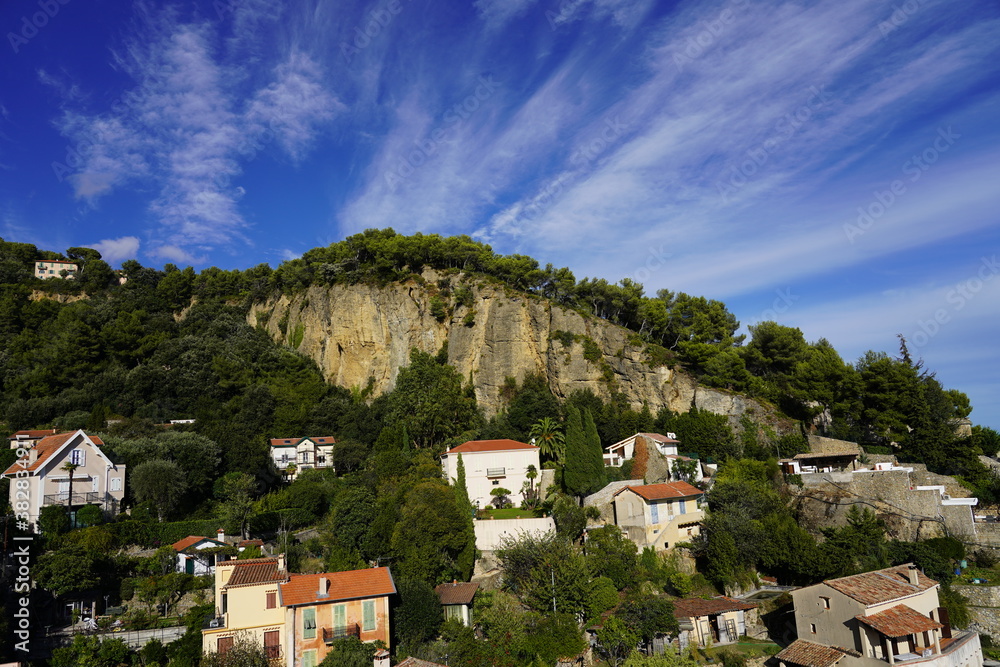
(552, 571)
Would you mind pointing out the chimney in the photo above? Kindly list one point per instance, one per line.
(324, 587)
(913, 575)
(220, 535)
(281, 562)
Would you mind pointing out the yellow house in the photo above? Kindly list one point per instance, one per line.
(659, 515)
(322, 608)
(246, 598)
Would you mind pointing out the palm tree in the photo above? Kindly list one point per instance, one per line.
(71, 467)
(549, 438)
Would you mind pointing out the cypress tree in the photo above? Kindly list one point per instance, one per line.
(461, 490)
(594, 453)
(577, 470)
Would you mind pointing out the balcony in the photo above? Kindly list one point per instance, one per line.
(89, 498)
(330, 635)
(496, 472)
(214, 623)
(274, 654)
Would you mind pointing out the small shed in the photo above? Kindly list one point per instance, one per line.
(457, 598)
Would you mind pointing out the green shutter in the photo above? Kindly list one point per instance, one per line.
(368, 610)
(309, 658)
(309, 625)
(339, 616)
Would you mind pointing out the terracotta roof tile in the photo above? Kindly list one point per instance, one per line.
(489, 446)
(255, 571)
(809, 654)
(45, 448)
(304, 588)
(291, 442)
(457, 592)
(666, 490)
(695, 607)
(191, 540)
(658, 437)
(899, 621)
(880, 586)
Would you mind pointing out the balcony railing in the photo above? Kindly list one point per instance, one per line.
(272, 652)
(78, 498)
(215, 622)
(349, 630)
(496, 472)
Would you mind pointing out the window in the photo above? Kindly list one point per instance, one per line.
(78, 457)
(116, 483)
(339, 616)
(271, 600)
(683, 504)
(654, 513)
(225, 602)
(304, 457)
(812, 628)
(321, 460)
(224, 644)
(825, 602)
(309, 658)
(309, 624)
(496, 482)
(368, 612)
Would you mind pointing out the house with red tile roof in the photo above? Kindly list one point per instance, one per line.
(877, 618)
(246, 604)
(297, 617)
(40, 477)
(28, 439)
(491, 464)
(322, 608)
(659, 515)
(198, 555)
(667, 445)
(719, 620)
(293, 455)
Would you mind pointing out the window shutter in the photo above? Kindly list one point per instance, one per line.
(368, 610)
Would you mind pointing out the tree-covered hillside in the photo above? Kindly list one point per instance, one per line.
(174, 343)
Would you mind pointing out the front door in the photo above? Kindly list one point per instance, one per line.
(189, 565)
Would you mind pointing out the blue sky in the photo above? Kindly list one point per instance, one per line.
(834, 166)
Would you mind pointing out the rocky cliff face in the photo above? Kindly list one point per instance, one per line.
(361, 332)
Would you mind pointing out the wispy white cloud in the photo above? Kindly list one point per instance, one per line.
(173, 253)
(185, 129)
(114, 251)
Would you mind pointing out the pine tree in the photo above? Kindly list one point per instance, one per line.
(577, 470)
(595, 453)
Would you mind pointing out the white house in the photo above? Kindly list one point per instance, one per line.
(667, 445)
(191, 561)
(39, 477)
(302, 453)
(53, 269)
(491, 464)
